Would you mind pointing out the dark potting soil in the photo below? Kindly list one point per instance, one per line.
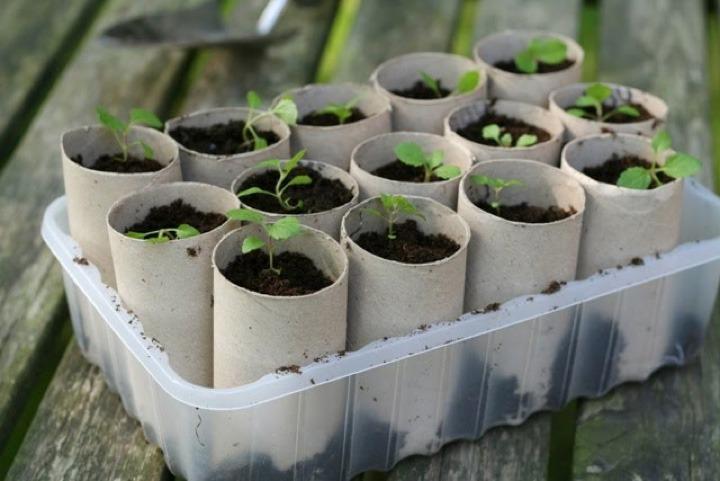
(509, 66)
(411, 245)
(219, 139)
(298, 274)
(529, 214)
(515, 127)
(610, 170)
(320, 195)
(397, 170)
(420, 91)
(177, 212)
(115, 163)
(329, 120)
(619, 118)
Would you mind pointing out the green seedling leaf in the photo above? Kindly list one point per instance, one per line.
(548, 50)
(299, 180)
(185, 231)
(587, 101)
(145, 117)
(468, 82)
(576, 112)
(435, 160)
(525, 62)
(110, 121)
(410, 153)
(286, 110)
(245, 215)
(492, 132)
(135, 235)
(268, 164)
(430, 83)
(599, 92)
(506, 140)
(293, 162)
(447, 172)
(148, 152)
(392, 207)
(681, 165)
(158, 240)
(495, 187)
(635, 178)
(252, 243)
(254, 100)
(526, 140)
(661, 142)
(254, 191)
(284, 228)
(628, 110)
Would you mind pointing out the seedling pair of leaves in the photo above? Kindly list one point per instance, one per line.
(467, 83)
(121, 129)
(494, 132)
(495, 187)
(412, 154)
(160, 236)
(284, 170)
(551, 51)
(677, 165)
(594, 98)
(275, 232)
(285, 110)
(340, 110)
(392, 207)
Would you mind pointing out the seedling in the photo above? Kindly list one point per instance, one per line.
(494, 132)
(284, 169)
(594, 97)
(279, 231)
(160, 236)
(677, 166)
(467, 83)
(121, 130)
(551, 51)
(495, 186)
(341, 111)
(412, 154)
(285, 110)
(392, 207)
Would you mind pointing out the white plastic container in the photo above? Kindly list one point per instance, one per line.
(483, 376)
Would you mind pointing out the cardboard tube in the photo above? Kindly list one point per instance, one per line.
(90, 193)
(547, 152)
(621, 223)
(327, 221)
(508, 259)
(390, 298)
(529, 88)
(169, 286)
(220, 170)
(425, 115)
(255, 333)
(334, 144)
(379, 151)
(565, 97)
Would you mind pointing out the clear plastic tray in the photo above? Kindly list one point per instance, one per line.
(369, 409)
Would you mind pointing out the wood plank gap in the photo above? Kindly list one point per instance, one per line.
(22, 118)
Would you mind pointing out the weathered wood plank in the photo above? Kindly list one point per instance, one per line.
(667, 428)
(226, 76)
(503, 453)
(81, 432)
(35, 39)
(386, 29)
(30, 288)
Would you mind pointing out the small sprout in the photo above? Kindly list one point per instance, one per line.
(551, 51)
(160, 236)
(341, 111)
(284, 169)
(285, 110)
(412, 154)
(495, 186)
(120, 129)
(392, 207)
(677, 166)
(494, 132)
(467, 83)
(279, 231)
(594, 97)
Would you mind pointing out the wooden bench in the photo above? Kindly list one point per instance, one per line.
(58, 419)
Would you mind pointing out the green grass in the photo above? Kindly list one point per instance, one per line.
(713, 52)
(462, 41)
(341, 27)
(589, 39)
